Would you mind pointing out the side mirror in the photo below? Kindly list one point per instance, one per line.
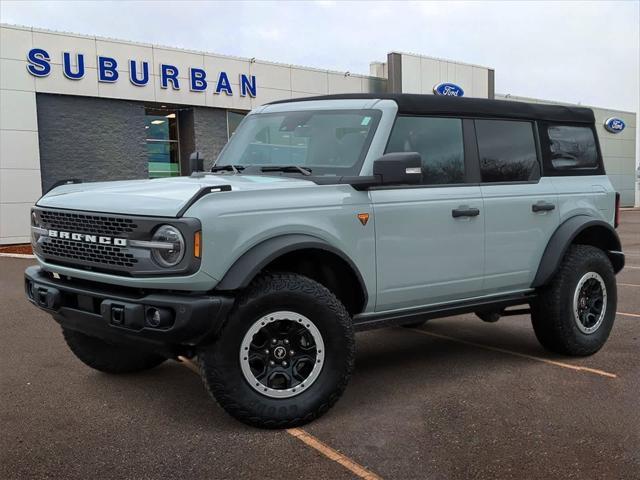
(196, 162)
(400, 168)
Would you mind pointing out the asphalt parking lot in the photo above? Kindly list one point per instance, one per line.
(458, 398)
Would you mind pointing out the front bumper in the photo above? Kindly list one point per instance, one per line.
(126, 316)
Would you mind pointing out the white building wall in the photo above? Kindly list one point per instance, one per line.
(20, 183)
(618, 149)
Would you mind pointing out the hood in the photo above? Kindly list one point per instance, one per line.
(163, 197)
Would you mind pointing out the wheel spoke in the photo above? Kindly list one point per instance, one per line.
(301, 367)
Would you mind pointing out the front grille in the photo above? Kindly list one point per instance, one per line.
(78, 241)
(87, 223)
(89, 252)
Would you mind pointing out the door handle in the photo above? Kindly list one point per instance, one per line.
(465, 212)
(542, 207)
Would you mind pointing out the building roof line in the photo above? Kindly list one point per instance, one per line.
(441, 59)
(186, 50)
(559, 102)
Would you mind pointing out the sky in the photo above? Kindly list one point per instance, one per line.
(578, 52)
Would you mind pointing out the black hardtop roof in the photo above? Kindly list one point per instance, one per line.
(468, 107)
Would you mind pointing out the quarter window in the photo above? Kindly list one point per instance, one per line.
(438, 141)
(572, 147)
(507, 151)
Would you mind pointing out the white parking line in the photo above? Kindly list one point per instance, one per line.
(628, 314)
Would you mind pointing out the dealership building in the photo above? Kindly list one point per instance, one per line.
(94, 109)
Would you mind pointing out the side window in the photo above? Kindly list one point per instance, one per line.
(572, 147)
(438, 141)
(507, 151)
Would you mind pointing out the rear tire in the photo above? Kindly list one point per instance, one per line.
(268, 368)
(574, 314)
(109, 358)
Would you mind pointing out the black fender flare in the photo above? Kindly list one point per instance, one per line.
(259, 256)
(564, 236)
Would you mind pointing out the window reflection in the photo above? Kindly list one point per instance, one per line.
(163, 153)
(439, 143)
(507, 151)
(572, 147)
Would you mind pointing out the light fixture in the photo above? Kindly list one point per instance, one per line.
(171, 115)
(157, 122)
(163, 106)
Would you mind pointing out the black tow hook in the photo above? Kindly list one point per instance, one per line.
(45, 297)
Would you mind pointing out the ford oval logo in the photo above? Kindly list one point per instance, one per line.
(614, 125)
(448, 89)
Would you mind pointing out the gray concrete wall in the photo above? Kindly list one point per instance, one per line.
(92, 139)
(186, 136)
(210, 131)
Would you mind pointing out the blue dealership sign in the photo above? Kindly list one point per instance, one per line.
(614, 125)
(39, 64)
(448, 90)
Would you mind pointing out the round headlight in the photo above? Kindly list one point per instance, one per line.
(168, 256)
(34, 235)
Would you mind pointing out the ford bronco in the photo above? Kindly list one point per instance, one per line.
(324, 216)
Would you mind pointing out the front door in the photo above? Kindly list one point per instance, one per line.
(429, 238)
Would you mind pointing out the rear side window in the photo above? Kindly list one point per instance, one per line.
(439, 142)
(507, 151)
(572, 147)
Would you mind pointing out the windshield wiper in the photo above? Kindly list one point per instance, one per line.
(287, 168)
(228, 168)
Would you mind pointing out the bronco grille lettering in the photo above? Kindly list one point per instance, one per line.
(82, 237)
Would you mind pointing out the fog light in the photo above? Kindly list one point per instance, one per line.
(158, 317)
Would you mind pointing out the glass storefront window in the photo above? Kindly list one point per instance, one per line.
(233, 120)
(163, 151)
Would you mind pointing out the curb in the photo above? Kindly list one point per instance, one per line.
(17, 255)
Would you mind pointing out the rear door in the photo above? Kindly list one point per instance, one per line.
(521, 207)
(430, 237)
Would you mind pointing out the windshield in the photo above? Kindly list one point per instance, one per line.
(325, 142)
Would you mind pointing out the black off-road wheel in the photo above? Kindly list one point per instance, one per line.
(285, 354)
(109, 358)
(574, 314)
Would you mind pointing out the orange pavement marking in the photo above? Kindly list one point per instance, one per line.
(189, 364)
(332, 454)
(310, 440)
(518, 354)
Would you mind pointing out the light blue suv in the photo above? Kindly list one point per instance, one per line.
(327, 215)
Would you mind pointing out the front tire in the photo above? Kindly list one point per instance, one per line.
(574, 314)
(107, 357)
(269, 368)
